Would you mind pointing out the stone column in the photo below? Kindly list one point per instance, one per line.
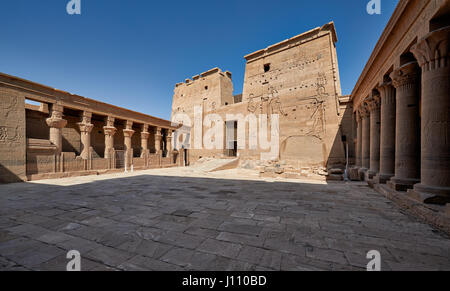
(110, 131)
(406, 80)
(169, 141)
(158, 138)
(56, 124)
(365, 141)
(85, 130)
(359, 140)
(387, 133)
(374, 108)
(144, 141)
(434, 59)
(128, 133)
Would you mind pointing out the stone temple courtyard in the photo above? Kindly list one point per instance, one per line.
(187, 219)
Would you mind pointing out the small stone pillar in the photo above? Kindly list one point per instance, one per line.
(406, 80)
(387, 133)
(85, 130)
(144, 142)
(110, 131)
(56, 124)
(158, 138)
(128, 133)
(374, 108)
(365, 141)
(434, 59)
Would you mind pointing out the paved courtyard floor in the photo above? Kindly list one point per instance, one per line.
(183, 219)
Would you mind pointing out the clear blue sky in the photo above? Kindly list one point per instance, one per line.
(131, 53)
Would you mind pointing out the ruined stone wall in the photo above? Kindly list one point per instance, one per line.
(12, 136)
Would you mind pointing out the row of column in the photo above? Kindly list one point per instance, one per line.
(57, 123)
(403, 130)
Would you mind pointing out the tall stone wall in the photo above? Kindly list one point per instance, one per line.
(12, 136)
(298, 79)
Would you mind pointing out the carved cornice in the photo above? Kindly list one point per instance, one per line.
(432, 51)
(405, 75)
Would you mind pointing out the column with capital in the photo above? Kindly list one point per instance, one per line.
(85, 130)
(365, 140)
(169, 141)
(110, 130)
(128, 133)
(387, 132)
(354, 175)
(145, 152)
(158, 139)
(374, 109)
(406, 81)
(433, 55)
(56, 124)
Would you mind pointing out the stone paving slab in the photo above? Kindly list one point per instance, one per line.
(180, 219)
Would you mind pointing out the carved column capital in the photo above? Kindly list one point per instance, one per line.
(110, 121)
(373, 103)
(144, 128)
(85, 125)
(85, 128)
(387, 93)
(406, 75)
(363, 110)
(128, 133)
(145, 135)
(56, 119)
(109, 131)
(158, 134)
(129, 125)
(432, 51)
